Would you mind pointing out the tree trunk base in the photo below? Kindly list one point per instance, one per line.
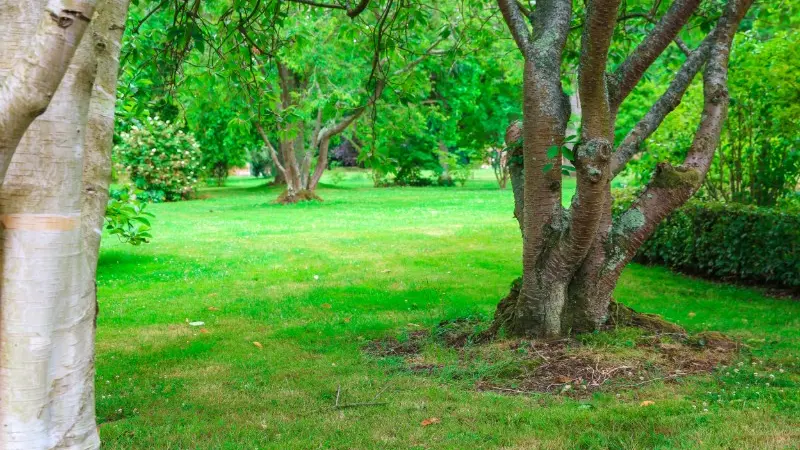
(504, 312)
(619, 315)
(302, 196)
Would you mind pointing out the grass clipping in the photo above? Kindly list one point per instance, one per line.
(616, 358)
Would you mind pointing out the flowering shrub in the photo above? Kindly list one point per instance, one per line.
(160, 158)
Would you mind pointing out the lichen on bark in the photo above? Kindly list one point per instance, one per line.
(630, 221)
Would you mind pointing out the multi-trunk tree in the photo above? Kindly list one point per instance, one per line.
(58, 72)
(573, 257)
(304, 99)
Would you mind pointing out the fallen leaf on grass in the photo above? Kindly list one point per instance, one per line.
(691, 314)
(204, 331)
(213, 308)
(430, 421)
(346, 320)
(647, 403)
(258, 344)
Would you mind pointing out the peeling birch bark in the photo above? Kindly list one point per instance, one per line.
(47, 307)
(38, 39)
(46, 330)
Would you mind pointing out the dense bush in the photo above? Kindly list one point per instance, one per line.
(223, 138)
(728, 241)
(159, 157)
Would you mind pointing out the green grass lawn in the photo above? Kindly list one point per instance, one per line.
(311, 283)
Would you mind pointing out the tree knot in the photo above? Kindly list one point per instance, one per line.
(719, 94)
(595, 150)
(594, 174)
(66, 17)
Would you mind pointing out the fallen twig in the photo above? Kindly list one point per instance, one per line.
(355, 405)
(373, 402)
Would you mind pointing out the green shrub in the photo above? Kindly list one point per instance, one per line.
(159, 157)
(728, 241)
(139, 195)
(127, 219)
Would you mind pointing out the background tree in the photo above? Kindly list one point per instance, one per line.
(759, 157)
(317, 96)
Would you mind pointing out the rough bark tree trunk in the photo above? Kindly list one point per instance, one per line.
(572, 258)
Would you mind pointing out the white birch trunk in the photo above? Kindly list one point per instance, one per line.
(46, 329)
(47, 297)
(37, 41)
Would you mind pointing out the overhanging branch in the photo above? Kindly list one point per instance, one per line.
(632, 144)
(666, 30)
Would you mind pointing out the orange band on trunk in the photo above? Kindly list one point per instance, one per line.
(40, 222)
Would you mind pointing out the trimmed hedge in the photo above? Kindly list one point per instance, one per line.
(729, 241)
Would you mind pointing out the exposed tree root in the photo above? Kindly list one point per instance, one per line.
(302, 196)
(620, 315)
(504, 312)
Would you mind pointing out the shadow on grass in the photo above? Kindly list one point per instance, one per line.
(235, 190)
(122, 260)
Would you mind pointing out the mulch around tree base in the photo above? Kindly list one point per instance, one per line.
(609, 360)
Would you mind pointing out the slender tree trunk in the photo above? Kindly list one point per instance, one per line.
(292, 172)
(444, 178)
(106, 36)
(322, 163)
